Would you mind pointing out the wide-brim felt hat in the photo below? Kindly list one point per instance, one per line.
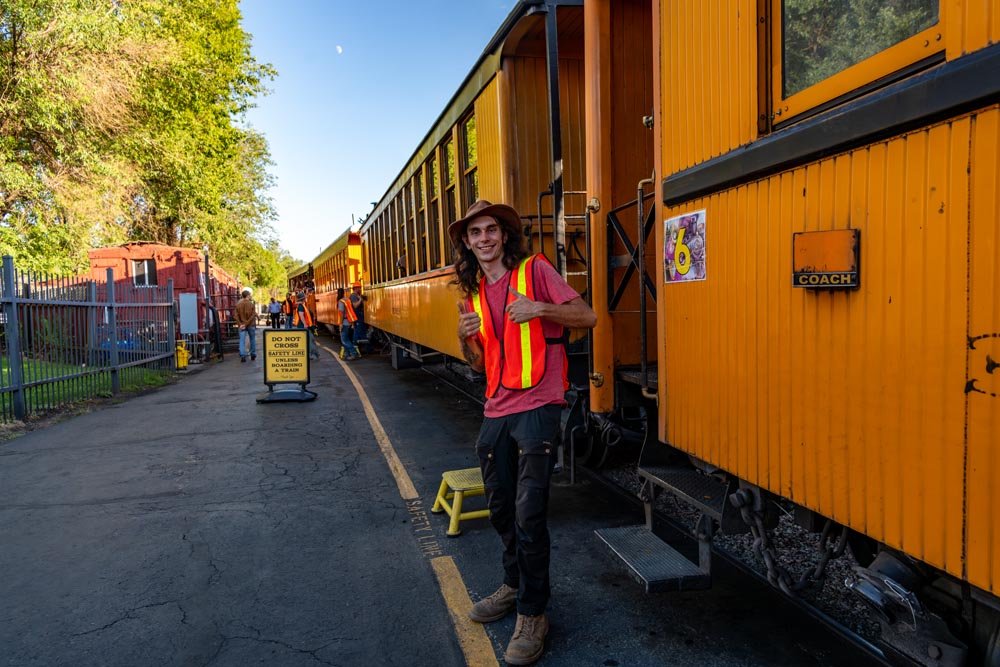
(502, 213)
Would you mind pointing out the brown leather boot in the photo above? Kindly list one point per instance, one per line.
(528, 642)
(496, 606)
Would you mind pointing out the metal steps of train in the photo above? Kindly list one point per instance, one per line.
(704, 492)
(652, 562)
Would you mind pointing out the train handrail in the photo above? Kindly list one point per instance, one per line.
(642, 232)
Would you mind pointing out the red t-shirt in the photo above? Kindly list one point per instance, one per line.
(549, 288)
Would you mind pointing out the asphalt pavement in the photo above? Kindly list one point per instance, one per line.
(193, 526)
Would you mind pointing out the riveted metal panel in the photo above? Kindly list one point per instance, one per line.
(852, 403)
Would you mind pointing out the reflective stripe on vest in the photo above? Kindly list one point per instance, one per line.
(349, 310)
(519, 363)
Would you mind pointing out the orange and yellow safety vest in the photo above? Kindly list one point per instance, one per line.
(349, 310)
(303, 317)
(519, 361)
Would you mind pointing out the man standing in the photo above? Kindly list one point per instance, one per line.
(274, 313)
(347, 319)
(311, 305)
(304, 320)
(511, 327)
(288, 308)
(246, 320)
(358, 303)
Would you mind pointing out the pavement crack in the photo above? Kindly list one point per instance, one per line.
(310, 652)
(130, 615)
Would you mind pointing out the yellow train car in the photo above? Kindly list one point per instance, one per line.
(820, 287)
(338, 266)
(497, 139)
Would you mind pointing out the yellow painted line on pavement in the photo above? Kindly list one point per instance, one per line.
(476, 646)
(406, 488)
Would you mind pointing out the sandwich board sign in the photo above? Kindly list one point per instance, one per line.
(286, 361)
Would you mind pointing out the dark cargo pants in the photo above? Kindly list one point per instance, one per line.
(516, 455)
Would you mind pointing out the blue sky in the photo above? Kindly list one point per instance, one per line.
(359, 84)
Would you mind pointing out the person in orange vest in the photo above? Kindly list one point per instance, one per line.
(311, 305)
(304, 320)
(511, 326)
(348, 318)
(288, 309)
(358, 300)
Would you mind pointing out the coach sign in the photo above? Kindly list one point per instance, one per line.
(826, 260)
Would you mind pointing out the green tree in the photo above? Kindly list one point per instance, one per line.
(68, 72)
(124, 120)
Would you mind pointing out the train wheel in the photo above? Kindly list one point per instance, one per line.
(863, 547)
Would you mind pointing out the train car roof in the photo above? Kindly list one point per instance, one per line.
(479, 76)
(338, 244)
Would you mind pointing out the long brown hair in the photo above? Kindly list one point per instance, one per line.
(467, 271)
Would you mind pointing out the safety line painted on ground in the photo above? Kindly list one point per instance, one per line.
(472, 638)
(476, 646)
(406, 488)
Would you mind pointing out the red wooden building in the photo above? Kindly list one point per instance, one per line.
(140, 264)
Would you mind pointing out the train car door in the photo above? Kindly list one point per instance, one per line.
(620, 185)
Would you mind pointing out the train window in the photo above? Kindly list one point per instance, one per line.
(385, 250)
(411, 230)
(433, 212)
(448, 176)
(144, 272)
(399, 238)
(386, 236)
(421, 219)
(378, 249)
(823, 50)
(470, 159)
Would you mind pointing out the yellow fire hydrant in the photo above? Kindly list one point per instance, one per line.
(182, 356)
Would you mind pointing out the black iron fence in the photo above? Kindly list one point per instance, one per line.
(70, 339)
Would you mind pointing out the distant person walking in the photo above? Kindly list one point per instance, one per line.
(311, 303)
(347, 319)
(246, 321)
(358, 303)
(274, 313)
(304, 320)
(288, 308)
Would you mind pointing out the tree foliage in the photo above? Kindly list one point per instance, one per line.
(823, 37)
(124, 120)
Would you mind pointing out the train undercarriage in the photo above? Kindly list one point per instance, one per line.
(924, 616)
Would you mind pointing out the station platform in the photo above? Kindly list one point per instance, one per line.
(194, 526)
